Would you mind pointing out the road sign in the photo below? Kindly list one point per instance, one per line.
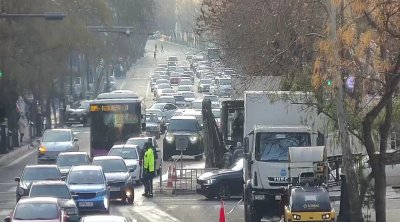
(181, 143)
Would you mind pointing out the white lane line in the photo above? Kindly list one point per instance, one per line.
(152, 213)
(29, 152)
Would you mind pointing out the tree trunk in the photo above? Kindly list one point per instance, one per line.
(53, 108)
(48, 112)
(351, 176)
(380, 191)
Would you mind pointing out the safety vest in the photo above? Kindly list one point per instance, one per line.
(149, 160)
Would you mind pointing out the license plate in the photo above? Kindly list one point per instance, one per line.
(115, 189)
(86, 204)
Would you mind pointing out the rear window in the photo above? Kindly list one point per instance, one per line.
(129, 153)
(36, 211)
(57, 191)
(56, 136)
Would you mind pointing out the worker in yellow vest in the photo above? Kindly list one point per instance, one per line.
(148, 171)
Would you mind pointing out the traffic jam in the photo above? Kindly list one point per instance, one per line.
(67, 184)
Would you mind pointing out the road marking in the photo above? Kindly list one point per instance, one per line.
(21, 158)
(152, 213)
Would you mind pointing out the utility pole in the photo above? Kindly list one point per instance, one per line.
(347, 154)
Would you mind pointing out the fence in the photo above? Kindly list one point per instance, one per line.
(187, 179)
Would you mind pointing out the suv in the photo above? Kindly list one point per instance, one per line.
(118, 178)
(78, 113)
(183, 128)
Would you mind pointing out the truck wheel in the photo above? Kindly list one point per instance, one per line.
(250, 213)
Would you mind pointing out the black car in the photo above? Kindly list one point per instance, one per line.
(34, 173)
(118, 177)
(183, 128)
(78, 113)
(222, 183)
(59, 190)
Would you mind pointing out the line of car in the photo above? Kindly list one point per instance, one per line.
(71, 184)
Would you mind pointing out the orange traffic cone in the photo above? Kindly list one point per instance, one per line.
(169, 183)
(174, 177)
(222, 212)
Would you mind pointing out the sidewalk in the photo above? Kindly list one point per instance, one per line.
(19, 151)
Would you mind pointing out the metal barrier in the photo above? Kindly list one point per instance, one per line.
(187, 178)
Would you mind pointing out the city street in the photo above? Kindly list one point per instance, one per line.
(162, 207)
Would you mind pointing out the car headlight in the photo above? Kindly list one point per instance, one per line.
(101, 193)
(21, 191)
(169, 138)
(42, 149)
(132, 168)
(326, 216)
(193, 139)
(296, 217)
(71, 211)
(105, 201)
(210, 181)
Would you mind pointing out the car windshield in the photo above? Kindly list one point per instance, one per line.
(212, 98)
(225, 81)
(151, 118)
(216, 113)
(45, 173)
(85, 177)
(160, 81)
(164, 86)
(184, 88)
(85, 105)
(71, 160)
(186, 82)
(126, 153)
(188, 95)
(183, 125)
(238, 165)
(305, 201)
(36, 211)
(137, 141)
(205, 81)
(197, 105)
(56, 136)
(179, 98)
(111, 166)
(57, 191)
(157, 106)
(166, 100)
(275, 146)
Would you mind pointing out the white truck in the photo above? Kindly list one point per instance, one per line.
(273, 122)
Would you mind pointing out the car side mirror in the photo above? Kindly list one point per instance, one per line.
(38, 140)
(131, 170)
(76, 139)
(17, 179)
(158, 149)
(143, 126)
(7, 219)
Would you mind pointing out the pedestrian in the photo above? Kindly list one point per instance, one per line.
(21, 128)
(155, 55)
(228, 157)
(155, 47)
(148, 170)
(162, 47)
(238, 153)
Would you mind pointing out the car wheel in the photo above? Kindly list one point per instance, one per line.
(224, 192)
(130, 200)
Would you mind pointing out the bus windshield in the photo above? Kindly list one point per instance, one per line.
(111, 123)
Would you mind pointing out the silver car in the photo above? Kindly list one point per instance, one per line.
(55, 141)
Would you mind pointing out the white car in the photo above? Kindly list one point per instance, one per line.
(166, 99)
(215, 104)
(189, 98)
(186, 82)
(131, 156)
(167, 109)
(140, 141)
(184, 88)
(197, 104)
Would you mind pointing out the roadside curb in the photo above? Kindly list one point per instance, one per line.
(13, 155)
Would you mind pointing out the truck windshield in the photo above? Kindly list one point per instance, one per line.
(274, 146)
